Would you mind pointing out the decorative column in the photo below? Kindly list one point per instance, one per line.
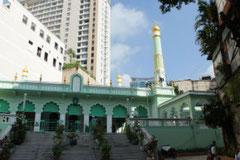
(159, 70)
(37, 122)
(109, 113)
(63, 111)
(38, 112)
(86, 112)
(86, 121)
(109, 123)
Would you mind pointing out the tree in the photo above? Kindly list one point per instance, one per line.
(166, 5)
(218, 114)
(208, 30)
(71, 54)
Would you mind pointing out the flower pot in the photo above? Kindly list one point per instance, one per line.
(73, 142)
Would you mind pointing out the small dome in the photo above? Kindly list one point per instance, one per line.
(119, 77)
(155, 28)
(25, 70)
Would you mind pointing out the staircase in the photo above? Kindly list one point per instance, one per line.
(82, 151)
(36, 146)
(122, 149)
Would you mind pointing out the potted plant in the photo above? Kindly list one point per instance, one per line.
(72, 137)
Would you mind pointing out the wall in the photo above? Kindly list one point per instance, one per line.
(188, 137)
(68, 72)
(16, 51)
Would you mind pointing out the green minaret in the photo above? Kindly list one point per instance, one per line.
(159, 70)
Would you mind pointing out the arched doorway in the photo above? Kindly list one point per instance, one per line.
(141, 112)
(29, 113)
(119, 118)
(98, 116)
(4, 106)
(50, 117)
(74, 118)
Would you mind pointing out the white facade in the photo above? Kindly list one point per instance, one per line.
(26, 42)
(84, 26)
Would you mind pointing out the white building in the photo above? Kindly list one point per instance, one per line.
(84, 26)
(27, 43)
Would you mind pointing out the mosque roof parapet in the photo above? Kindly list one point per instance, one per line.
(86, 89)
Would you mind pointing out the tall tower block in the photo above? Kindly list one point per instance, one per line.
(159, 70)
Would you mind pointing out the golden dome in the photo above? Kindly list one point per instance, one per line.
(155, 28)
(119, 77)
(25, 70)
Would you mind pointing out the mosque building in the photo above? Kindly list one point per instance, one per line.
(75, 105)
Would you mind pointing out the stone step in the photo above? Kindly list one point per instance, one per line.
(77, 157)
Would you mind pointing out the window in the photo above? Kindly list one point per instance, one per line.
(92, 55)
(46, 56)
(48, 39)
(25, 19)
(91, 67)
(39, 51)
(61, 50)
(54, 62)
(92, 61)
(42, 33)
(92, 48)
(78, 56)
(60, 66)
(33, 26)
(56, 45)
(30, 42)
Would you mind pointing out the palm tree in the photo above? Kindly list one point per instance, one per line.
(207, 27)
(71, 54)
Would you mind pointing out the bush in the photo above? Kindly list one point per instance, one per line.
(105, 151)
(18, 132)
(58, 139)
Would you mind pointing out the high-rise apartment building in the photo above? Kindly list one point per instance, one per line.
(84, 26)
(29, 51)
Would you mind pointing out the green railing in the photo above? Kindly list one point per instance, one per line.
(74, 126)
(49, 125)
(161, 122)
(30, 124)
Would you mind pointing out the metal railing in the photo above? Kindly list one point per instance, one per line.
(73, 126)
(162, 122)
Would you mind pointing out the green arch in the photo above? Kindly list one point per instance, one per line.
(142, 112)
(119, 112)
(74, 109)
(29, 107)
(50, 107)
(4, 106)
(98, 111)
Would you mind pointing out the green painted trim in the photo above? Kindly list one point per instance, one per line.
(142, 112)
(4, 106)
(29, 107)
(75, 109)
(119, 112)
(81, 80)
(50, 107)
(98, 111)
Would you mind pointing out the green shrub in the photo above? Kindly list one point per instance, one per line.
(18, 132)
(58, 139)
(76, 65)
